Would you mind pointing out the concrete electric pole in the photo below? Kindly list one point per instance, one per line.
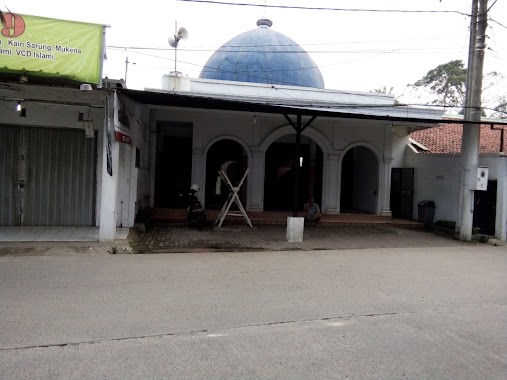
(473, 110)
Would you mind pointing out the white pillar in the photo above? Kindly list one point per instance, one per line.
(199, 172)
(501, 200)
(256, 181)
(385, 174)
(386, 187)
(333, 184)
(109, 191)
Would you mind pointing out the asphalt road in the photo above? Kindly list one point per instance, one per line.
(411, 313)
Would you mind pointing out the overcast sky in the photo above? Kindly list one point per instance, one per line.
(358, 51)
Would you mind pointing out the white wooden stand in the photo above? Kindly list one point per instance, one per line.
(232, 198)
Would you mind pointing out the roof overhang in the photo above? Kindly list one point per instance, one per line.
(391, 113)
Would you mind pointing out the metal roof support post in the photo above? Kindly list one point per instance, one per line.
(296, 166)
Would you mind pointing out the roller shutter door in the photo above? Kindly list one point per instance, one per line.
(54, 177)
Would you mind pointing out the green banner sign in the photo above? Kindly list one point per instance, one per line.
(51, 48)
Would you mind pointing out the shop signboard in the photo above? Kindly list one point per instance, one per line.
(46, 47)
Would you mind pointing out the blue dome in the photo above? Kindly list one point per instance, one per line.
(263, 56)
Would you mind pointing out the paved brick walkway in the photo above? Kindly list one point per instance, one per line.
(234, 238)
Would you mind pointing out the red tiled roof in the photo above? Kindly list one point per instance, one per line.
(447, 139)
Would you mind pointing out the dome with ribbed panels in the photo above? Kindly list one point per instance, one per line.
(263, 55)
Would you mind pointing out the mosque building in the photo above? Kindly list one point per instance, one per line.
(121, 150)
(347, 150)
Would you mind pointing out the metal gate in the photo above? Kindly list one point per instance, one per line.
(8, 175)
(402, 192)
(47, 177)
(485, 209)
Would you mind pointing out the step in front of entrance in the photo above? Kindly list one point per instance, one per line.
(160, 215)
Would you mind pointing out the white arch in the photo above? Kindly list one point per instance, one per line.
(205, 159)
(312, 133)
(364, 145)
(228, 137)
(321, 141)
(379, 169)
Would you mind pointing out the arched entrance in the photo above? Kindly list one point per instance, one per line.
(278, 180)
(359, 181)
(220, 152)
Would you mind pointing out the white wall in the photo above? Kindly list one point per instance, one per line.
(134, 182)
(400, 141)
(253, 130)
(437, 178)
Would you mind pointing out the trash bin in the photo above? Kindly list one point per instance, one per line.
(426, 212)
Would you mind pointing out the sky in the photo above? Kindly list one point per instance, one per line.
(355, 51)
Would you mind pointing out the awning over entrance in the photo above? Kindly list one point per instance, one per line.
(393, 113)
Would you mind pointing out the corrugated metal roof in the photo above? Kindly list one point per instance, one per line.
(396, 113)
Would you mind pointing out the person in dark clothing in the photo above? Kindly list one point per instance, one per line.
(312, 211)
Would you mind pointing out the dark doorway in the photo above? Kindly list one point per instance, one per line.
(485, 209)
(359, 181)
(279, 176)
(174, 164)
(219, 153)
(402, 192)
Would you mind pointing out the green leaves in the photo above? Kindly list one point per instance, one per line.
(448, 82)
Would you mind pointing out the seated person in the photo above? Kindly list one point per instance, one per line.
(312, 211)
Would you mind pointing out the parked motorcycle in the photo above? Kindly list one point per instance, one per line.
(196, 217)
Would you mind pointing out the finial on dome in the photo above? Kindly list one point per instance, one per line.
(264, 22)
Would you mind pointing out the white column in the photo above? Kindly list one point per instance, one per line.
(109, 191)
(199, 172)
(384, 198)
(256, 181)
(386, 187)
(501, 200)
(333, 184)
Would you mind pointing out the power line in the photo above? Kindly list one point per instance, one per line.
(291, 44)
(496, 22)
(252, 72)
(491, 6)
(324, 8)
(263, 50)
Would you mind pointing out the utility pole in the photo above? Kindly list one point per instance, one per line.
(473, 110)
(127, 68)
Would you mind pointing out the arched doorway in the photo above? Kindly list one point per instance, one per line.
(220, 152)
(279, 176)
(359, 181)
